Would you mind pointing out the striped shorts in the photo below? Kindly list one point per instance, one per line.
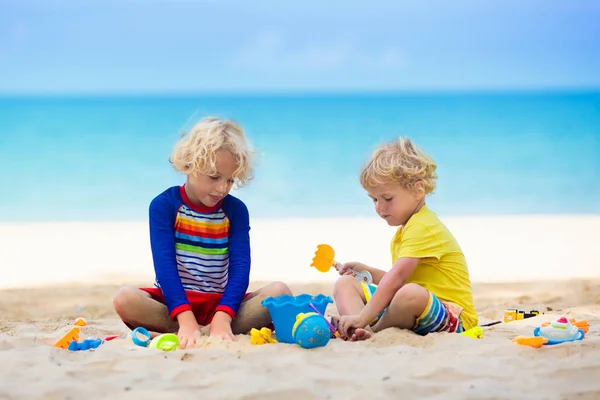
(438, 316)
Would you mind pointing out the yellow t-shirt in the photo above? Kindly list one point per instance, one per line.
(442, 268)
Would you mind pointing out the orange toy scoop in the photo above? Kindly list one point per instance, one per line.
(536, 341)
(323, 259)
(583, 325)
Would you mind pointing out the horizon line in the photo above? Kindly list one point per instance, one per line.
(307, 92)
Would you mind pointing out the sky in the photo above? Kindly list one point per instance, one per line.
(145, 46)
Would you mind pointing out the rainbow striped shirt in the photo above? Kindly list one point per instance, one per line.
(198, 248)
(201, 248)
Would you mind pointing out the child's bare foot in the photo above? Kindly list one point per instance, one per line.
(154, 334)
(362, 334)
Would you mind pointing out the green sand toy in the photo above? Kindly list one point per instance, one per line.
(165, 342)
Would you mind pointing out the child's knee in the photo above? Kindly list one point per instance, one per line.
(276, 289)
(411, 296)
(125, 297)
(346, 283)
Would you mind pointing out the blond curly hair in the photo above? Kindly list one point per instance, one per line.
(195, 152)
(402, 162)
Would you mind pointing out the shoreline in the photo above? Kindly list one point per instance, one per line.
(498, 249)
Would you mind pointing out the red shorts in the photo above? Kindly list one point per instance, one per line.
(203, 305)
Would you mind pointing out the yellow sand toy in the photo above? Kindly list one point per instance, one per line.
(262, 336)
(165, 342)
(475, 332)
(514, 314)
(324, 260)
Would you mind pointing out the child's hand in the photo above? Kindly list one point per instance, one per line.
(220, 326)
(189, 335)
(352, 267)
(347, 323)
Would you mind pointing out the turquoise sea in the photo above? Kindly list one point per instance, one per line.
(105, 158)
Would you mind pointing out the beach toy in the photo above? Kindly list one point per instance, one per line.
(324, 260)
(63, 342)
(583, 324)
(311, 330)
(475, 332)
(535, 341)
(284, 309)
(72, 334)
(513, 314)
(332, 330)
(491, 323)
(559, 331)
(142, 341)
(262, 336)
(165, 342)
(87, 344)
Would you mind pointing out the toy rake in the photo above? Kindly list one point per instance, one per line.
(324, 260)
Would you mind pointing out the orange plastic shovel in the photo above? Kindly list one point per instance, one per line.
(324, 260)
(534, 341)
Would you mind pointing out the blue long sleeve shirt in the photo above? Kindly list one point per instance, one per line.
(198, 248)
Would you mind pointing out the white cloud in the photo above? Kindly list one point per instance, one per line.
(270, 51)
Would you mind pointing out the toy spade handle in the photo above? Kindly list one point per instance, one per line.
(364, 276)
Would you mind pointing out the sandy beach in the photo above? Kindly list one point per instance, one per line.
(486, 111)
(533, 262)
(498, 249)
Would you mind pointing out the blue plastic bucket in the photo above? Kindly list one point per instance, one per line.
(285, 308)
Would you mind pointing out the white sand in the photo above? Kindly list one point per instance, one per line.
(497, 248)
(538, 256)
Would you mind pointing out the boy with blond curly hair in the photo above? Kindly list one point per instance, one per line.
(199, 236)
(428, 288)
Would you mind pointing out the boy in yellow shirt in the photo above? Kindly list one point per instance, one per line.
(428, 288)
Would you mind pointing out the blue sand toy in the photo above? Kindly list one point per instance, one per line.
(311, 330)
(145, 339)
(285, 308)
(87, 344)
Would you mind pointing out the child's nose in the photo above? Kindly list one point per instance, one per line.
(222, 187)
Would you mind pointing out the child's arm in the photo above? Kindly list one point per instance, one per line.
(162, 242)
(239, 259)
(391, 282)
(376, 273)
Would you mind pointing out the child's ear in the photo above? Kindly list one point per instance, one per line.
(419, 188)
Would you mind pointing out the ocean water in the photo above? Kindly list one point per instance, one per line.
(105, 158)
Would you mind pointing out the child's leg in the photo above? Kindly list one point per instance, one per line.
(136, 307)
(406, 306)
(349, 295)
(251, 313)
(350, 299)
